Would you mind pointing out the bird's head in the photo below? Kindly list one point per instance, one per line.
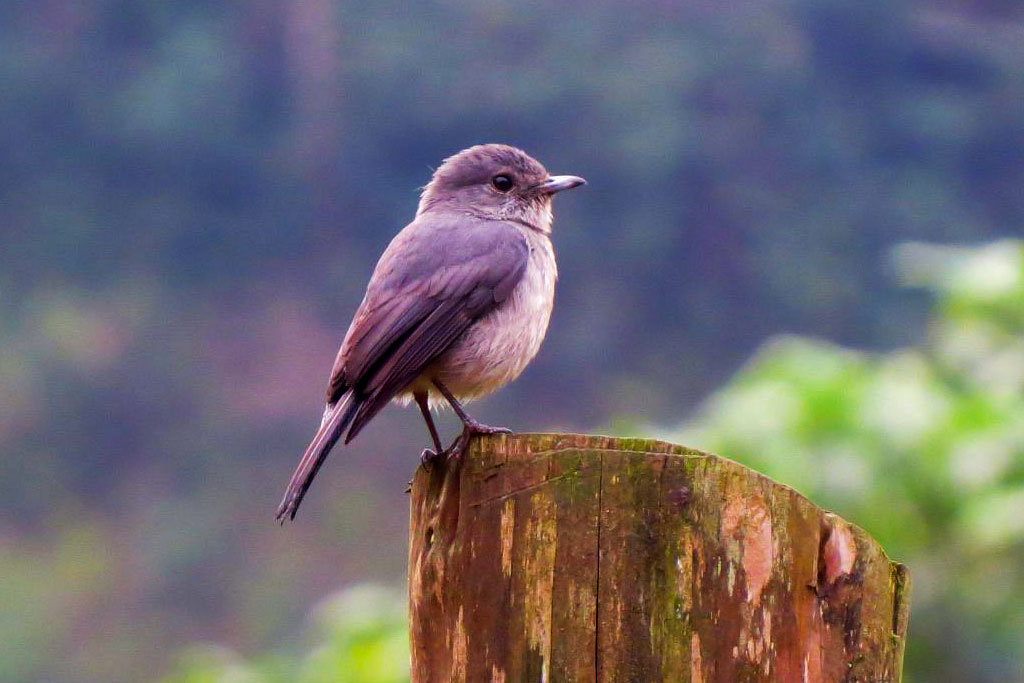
(497, 182)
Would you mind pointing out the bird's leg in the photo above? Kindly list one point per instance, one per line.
(428, 456)
(470, 426)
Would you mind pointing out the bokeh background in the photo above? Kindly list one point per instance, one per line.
(796, 249)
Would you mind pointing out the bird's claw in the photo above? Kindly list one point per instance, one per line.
(429, 456)
(474, 427)
(469, 430)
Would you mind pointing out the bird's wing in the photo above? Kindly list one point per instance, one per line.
(436, 277)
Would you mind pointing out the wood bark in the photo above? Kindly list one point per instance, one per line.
(556, 557)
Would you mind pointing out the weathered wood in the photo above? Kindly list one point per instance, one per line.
(580, 558)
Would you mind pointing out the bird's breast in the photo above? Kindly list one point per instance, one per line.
(499, 346)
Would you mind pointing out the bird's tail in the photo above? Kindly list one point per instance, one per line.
(336, 419)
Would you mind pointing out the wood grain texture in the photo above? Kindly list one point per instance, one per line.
(552, 557)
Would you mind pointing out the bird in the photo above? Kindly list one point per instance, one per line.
(456, 308)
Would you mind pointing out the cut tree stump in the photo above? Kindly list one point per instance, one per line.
(558, 557)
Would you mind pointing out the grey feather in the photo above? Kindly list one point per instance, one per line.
(422, 300)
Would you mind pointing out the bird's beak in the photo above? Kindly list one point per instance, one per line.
(557, 183)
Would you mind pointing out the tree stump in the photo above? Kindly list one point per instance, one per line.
(557, 557)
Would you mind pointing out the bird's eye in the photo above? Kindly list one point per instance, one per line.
(501, 183)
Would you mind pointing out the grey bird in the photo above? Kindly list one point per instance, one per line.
(457, 306)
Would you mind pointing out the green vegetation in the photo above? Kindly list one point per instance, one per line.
(922, 446)
(361, 637)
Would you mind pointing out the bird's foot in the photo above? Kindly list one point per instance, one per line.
(429, 457)
(473, 427)
(458, 447)
(470, 429)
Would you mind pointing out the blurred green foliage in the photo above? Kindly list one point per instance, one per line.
(361, 636)
(922, 446)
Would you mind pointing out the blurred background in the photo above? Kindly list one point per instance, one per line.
(796, 249)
